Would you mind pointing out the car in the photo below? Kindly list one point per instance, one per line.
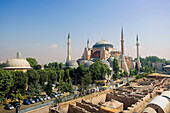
(40, 98)
(32, 101)
(61, 94)
(51, 96)
(26, 102)
(9, 106)
(54, 95)
(16, 104)
(36, 99)
(44, 97)
(48, 97)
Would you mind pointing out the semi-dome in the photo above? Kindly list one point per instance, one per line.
(102, 43)
(106, 62)
(88, 63)
(72, 63)
(17, 63)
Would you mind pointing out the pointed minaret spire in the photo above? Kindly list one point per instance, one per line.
(88, 45)
(122, 41)
(138, 59)
(68, 48)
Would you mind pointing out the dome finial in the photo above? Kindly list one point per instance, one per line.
(18, 55)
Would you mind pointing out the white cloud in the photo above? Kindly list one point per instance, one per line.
(54, 46)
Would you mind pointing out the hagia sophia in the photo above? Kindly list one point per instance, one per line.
(105, 51)
(102, 49)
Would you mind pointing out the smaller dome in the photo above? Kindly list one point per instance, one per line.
(72, 63)
(106, 62)
(88, 63)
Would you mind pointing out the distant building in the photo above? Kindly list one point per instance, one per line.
(167, 69)
(17, 64)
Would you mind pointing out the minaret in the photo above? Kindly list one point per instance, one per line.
(138, 59)
(68, 48)
(122, 42)
(122, 58)
(88, 46)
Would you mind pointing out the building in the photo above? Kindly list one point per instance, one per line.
(105, 51)
(17, 64)
(69, 62)
(167, 69)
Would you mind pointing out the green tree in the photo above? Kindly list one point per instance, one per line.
(32, 61)
(20, 82)
(5, 83)
(115, 68)
(43, 78)
(52, 75)
(33, 76)
(34, 89)
(49, 87)
(132, 72)
(37, 67)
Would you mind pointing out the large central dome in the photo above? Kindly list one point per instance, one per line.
(102, 43)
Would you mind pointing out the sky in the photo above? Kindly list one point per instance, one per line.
(39, 28)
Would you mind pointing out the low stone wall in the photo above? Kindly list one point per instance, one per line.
(87, 107)
(89, 103)
(127, 101)
(96, 99)
(76, 109)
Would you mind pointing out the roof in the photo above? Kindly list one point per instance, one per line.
(18, 63)
(167, 66)
(102, 43)
(106, 62)
(88, 63)
(160, 101)
(72, 63)
(166, 94)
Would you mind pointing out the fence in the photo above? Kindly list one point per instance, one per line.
(37, 106)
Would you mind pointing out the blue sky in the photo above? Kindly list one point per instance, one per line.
(39, 28)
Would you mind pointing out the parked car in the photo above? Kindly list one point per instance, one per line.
(9, 106)
(36, 99)
(15, 104)
(54, 95)
(32, 101)
(48, 97)
(61, 94)
(44, 97)
(40, 98)
(26, 102)
(51, 96)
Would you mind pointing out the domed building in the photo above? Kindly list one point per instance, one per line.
(88, 63)
(72, 63)
(17, 64)
(101, 49)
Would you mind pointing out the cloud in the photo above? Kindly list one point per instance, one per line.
(54, 46)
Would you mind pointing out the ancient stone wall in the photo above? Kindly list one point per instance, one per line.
(87, 107)
(127, 101)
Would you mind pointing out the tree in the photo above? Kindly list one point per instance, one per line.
(20, 82)
(34, 89)
(5, 83)
(115, 68)
(37, 67)
(49, 87)
(52, 75)
(43, 78)
(32, 61)
(3, 65)
(131, 72)
(61, 66)
(33, 76)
